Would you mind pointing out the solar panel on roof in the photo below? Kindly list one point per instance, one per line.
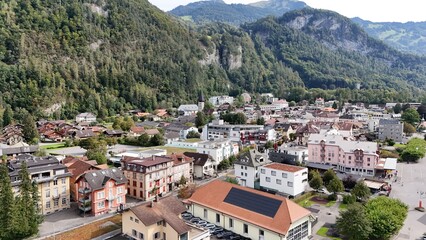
(253, 202)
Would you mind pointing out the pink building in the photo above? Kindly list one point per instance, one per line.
(101, 191)
(353, 157)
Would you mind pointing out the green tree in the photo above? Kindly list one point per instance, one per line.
(410, 116)
(117, 123)
(157, 140)
(328, 176)
(269, 144)
(361, 191)
(7, 210)
(29, 129)
(335, 105)
(335, 185)
(7, 116)
(316, 181)
(408, 128)
(127, 123)
(349, 182)
(225, 164)
(231, 180)
(397, 108)
(260, 121)
(353, 223)
(97, 155)
(143, 140)
(387, 216)
(182, 180)
(193, 134)
(201, 119)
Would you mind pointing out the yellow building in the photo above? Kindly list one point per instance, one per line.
(52, 178)
(160, 220)
(251, 213)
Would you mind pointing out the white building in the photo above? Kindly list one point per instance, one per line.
(219, 150)
(288, 179)
(188, 109)
(85, 117)
(204, 165)
(247, 167)
(219, 100)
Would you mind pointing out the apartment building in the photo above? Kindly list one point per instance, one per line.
(391, 129)
(237, 208)
(247, 167)
(160, 219)
(182, 167)
(219, 149)
(101, 191)
(355, 157)
(51, 177)
(204, 165)
(219, 100)
(148, 177)
(283, 178)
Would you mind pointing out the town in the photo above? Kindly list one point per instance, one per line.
(242, 167)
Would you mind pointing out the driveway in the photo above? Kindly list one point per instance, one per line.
(411, 189)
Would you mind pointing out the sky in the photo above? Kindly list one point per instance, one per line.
(372, 10)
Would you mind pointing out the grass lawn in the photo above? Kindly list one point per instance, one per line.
(171, 150)
(53, 146)
(90, 230)
(331, 203)
(399, 145)
(323, 233)
(306, 203)
(192, 140)
(343, 206)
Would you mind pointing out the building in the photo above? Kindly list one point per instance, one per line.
(247, 167)
(12, 134)
(218, 129)
(52, 179)
(286, 179)
(219, 149)
(250, 213)
(204, 165)
(293, 155)
(219, 100)
(149, 176)
(391, 129)
(246, 97)
(19, 148)
(85, 117)
(180, 129)
(304, 132)
(354, 157)
(160, 219)
(182, 167)
(188, 109)
(101, 191)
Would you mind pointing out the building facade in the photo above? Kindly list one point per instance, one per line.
(391, 129)
(219, 150)
(219, 100)
(52, 179)
(247, 167)
(204, 165)
(286, 179)
(101, 191)
(85, 117)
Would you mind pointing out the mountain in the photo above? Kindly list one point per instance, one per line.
(59, 58)
(408, 37)
(203, 12)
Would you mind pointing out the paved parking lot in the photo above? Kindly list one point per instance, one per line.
(411, 188)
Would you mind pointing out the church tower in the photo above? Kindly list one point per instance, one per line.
(201, 101)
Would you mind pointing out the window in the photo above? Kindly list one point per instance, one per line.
(131, 218)
(120, 190)
(101, 195)
(262, 170)
(261, 232)
(141, 236)
(47, 184)
(55, 182)
(156, 235)
(273, 173)
(134, 175)
(55, 202)
(284, 175)
(47, 193)
(268, 179)
(205, 213)
(183, 236)
(242, 167)
(231, 223)
(136, 220)
(242, 174)
(120, 199)
(245, 228)
(290, 184)
(48, 204)
(217, 218)
(279, 181)
(64, 201)
(134, 233)
(64, 190)
(101, 205)
(141, 185)
(63, 180)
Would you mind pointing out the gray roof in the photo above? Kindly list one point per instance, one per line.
(388, 121)
(188, 107)
(252, 158)
(200, 159)
(319, 166)
(98, 179)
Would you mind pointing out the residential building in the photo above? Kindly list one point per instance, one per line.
(188, 109)
(52, 179)
(160, 219)
(391, 129)
(101, 191)
(218, 129)
(149, 176)
(219, 100)
(180, 129)
(286, 179)
(354, 157)
(16, 149)
(247, 167)
(293, 155)
(182, 167)
(85, 117)
(319, 102)
(12, 134)
(246, 97)
(204, 165)
(251, 213)
(219, 149)
(304, 132)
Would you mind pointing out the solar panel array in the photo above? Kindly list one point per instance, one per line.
(253, 202)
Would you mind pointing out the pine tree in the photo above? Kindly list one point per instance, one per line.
(7, 210)
(29, 130)
(7, 116)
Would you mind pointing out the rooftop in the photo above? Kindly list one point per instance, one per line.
(284, 167)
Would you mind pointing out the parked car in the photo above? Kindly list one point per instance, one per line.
(201, 223)
(217, 230)
(224, 234)
(210, 226)
(187, 216)
(195, 220)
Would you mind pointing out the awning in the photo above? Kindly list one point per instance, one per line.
(373, 185)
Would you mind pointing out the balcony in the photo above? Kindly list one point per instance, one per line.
(87, 206)
(85, 200)
(56, 196)
(84, 190)
(110, 197)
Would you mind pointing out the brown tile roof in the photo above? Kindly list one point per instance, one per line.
(152, 131)
(213, 194)
(138, 130)
(179, 158)
(167, 209)
(284, 167)
(79, 167)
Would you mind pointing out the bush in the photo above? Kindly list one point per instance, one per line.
(349, 199)
(332, 197)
